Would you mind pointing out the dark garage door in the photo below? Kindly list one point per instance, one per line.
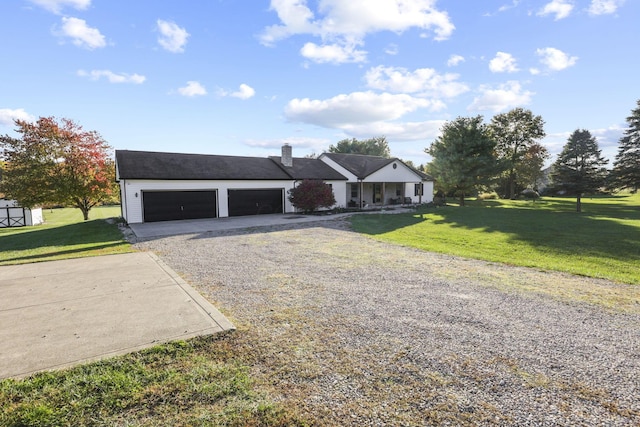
(255, 202)
(172, 205)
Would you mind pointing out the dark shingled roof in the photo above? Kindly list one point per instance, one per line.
(362, 165)
(359, 164)
(304, 168)
(176, 166)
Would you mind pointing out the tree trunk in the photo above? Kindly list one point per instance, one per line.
(462, 199)
(578, 204)
(85, 212)
(512, 185)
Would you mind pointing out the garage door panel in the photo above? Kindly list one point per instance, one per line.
(255, 202)
(176, 205)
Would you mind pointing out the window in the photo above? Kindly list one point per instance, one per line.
(354, 191)
(419, 189)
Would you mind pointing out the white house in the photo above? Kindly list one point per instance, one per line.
(376, 181)
(158, 186)
(14, 215)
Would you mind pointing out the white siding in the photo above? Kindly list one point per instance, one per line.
(350, 177)
(388, 174)
(427, 195)
(34, 216)
(131, 193)
(339, 192)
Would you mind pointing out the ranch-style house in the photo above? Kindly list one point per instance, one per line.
(157, 186)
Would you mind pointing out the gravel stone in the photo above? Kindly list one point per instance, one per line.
(357, 332)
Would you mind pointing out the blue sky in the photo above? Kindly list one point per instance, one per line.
(242, 77)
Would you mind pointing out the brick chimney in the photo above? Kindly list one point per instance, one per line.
(287, 156)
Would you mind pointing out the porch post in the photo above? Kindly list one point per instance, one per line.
(384, 188)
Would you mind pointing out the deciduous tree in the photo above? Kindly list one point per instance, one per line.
(312, 194)
(626, 167)
(57, 163)
(463, 156)
(377, 146)
(580, 167)
(516, 133)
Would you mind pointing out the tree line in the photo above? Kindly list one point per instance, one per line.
(506, 156)
(59, 163)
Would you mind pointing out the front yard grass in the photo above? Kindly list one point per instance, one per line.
(64, 235)
(207, 380)
(601, 242)
(202, 382)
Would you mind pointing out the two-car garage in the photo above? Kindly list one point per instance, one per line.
(195, 204)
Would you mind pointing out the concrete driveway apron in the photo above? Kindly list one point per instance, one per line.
(61, 313)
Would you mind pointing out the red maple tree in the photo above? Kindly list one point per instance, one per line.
(57, 163)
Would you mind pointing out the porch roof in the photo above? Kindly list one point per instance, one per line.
(362, 165)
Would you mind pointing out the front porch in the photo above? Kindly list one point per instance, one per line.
(377, 194)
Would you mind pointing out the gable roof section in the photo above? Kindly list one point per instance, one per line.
(178, 166)
(359, 164)
(304, 168)
(362, 165)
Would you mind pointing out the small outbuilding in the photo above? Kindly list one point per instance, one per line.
(14, 215)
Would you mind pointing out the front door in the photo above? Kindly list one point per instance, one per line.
(377, 193)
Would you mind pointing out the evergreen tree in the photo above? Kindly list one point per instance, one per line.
(579, 169)
(463, 156)
(626, 167)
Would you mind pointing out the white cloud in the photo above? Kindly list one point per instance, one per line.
(423, 81)
(503, 63)
(112, 77)
(397, 131)
(355, 108)
(333, 53)
(392, 49)
(81, 34)
(7, 116)
(560, 8)
(319, 144)
(604, 7)
(555, 59)
(506, 7)
(346, 23)
(172, 37)
(193, 88)
(454, 60)
(505, 96)
(56, 6)
(244, 92)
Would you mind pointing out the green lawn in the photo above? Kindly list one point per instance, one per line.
(64, 235)
(207, 381)
(603, 241)
(202, 382)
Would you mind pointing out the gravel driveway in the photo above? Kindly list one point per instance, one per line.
(352, 331)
